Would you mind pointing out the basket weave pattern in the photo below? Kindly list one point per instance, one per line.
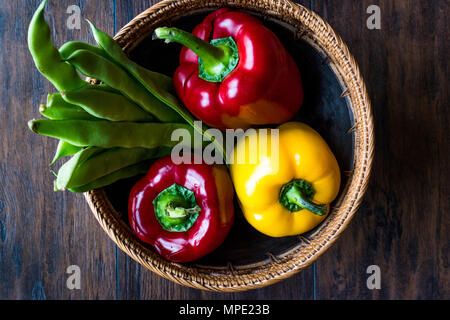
(311, 27)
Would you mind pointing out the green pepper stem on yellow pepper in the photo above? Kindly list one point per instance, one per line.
(296, 195)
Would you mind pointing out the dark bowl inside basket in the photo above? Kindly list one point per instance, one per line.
(324, 109)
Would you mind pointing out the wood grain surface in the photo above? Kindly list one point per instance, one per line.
(402, 226)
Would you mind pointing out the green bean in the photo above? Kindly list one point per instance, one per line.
(95, 66)
(158, 84)
(58, 109)
(67, 171)
(92, 102)
(64, 149)
(120, 174)
(106, 105)
(107, 134)
(123, 173)
(93, 163)
(47, 58)
(68, 48)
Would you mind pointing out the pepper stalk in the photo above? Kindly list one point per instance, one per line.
(216, 59)
(176, 208)
(297, 195)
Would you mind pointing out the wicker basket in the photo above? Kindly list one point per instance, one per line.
(311, 28)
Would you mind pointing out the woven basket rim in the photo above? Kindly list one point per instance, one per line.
(319, 33)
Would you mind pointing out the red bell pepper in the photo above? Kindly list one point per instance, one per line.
(184, 211)
(242, 76)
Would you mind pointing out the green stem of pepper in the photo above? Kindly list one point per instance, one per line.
(297, 195)
(174, 212)
(216, 59)
(176, 208)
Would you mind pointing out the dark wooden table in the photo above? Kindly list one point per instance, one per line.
(402, 225)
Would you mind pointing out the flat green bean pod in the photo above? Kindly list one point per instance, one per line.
(106, 105)
(64, 149)
(58, 109)
(158, 84)
(97, 67)
(91, 164)
(46, 56)
(120, 174)
(107, 134)
(67, 171)
(68, 48)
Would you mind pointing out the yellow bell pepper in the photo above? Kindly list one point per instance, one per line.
(286, 190)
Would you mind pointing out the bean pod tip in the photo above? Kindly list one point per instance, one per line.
(33, 125)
